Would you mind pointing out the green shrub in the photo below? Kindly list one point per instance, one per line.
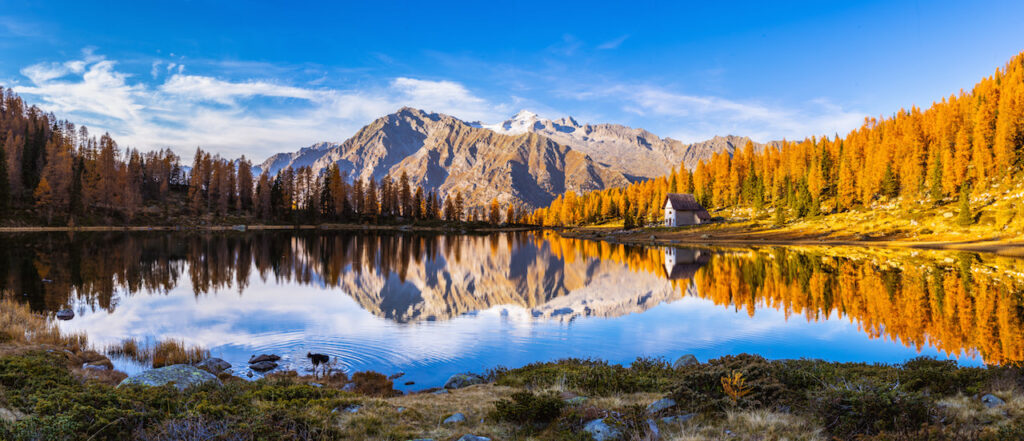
(942, 377)
(853, 409)
(699, 387)
(528, 409)
(591, 377)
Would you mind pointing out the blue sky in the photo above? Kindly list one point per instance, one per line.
(259, 77)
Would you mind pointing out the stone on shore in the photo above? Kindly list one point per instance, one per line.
(458, 381)
(992, 401)
(660, 405)
(685, 360)
(214, 365)
(678, 419)
(601, 431)
(455, 419)
(181, 376)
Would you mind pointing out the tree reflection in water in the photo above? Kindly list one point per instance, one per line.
(959, 303)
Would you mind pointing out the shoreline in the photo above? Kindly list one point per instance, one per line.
(709, 235)
(271, 227)
(713, 236)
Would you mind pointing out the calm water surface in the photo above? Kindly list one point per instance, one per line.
(433, 305)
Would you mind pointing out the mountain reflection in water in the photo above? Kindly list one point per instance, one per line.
(433, 305)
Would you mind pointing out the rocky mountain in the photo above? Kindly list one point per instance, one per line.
(637, 153)
(526, 161)
(306, 156)
(440, 152)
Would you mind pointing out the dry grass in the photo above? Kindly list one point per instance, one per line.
(164, 353)
(335, 380)
(970, 411)
(19, 325)
(424, 413)
(755, 425)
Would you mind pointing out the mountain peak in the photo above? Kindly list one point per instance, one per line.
(525, 115)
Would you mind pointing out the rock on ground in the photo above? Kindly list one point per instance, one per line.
(678, 419)
(462, 380)
(10, 415)
(685, 360)
(652, 428)
(992, 401)
(601, 431)
(65, 314)
(471, 437)
(181, 376)
(214, 365)
(660, 405)
(455, 419)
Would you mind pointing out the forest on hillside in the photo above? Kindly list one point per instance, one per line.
(968, 144)
(54, 173)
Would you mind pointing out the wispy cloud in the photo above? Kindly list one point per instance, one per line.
(19, 28)
(254, 117)
(698, 117)
(613, 44)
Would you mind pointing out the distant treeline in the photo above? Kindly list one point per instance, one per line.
(55, 172)
(968, 144)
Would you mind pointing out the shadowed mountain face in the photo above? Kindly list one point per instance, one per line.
(442, 153)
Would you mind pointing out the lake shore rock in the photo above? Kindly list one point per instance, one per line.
(181, 376)
(263, 366)
(455, 419)
(459, 381)
(685, 360)
(263, 357)
(214, 365)
(602, 431)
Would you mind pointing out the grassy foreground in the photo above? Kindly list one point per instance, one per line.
(46, 394)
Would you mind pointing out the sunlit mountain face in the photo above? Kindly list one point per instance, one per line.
(433, 305)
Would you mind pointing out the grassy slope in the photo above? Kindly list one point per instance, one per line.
(998, 227)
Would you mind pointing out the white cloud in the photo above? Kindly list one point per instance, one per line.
(446, 97)
(696, 118)
(613, 44)
(253, 117)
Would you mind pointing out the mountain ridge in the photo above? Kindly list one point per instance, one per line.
(525, 161)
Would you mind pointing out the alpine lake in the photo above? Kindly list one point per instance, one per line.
(432, 305)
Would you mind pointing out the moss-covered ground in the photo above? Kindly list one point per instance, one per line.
(43, 397)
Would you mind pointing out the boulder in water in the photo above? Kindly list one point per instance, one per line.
(181, 376)
(263, 366)
(263, 357)
(65, 314)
